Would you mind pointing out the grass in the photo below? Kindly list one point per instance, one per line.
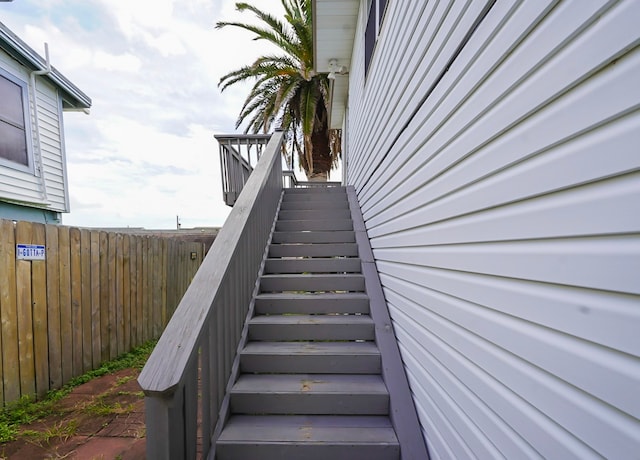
(27, 410)
(100, 407)
(62, 430)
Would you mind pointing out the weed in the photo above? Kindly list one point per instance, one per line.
(123, 380)
(100, 407)
(62, 430)
(139, 394)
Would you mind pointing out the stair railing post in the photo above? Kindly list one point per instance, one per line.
(162, 416)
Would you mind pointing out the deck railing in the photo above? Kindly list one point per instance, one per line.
(202, 338)
(239, 154)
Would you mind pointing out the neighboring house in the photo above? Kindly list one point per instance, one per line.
(495, 150)
(33, 95)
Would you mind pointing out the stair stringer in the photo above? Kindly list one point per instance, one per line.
(402, 410)
(225, 407)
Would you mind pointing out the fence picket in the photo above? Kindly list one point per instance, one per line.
(76, 300)
(156, 287)
(25, 313)
(64, 252)
(85, 270)
(96, 345)
(39, 303)
(139, 289)
(126, 287)
(119, 295)
(53, 307)
(113, 302)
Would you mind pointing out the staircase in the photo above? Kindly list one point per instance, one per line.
(310, 384)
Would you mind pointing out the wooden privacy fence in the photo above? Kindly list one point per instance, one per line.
(96, 295)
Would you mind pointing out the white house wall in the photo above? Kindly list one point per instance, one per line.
(26, 187)
(502, 199)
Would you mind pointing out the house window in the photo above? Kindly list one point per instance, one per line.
(13, 123)
(374, 22)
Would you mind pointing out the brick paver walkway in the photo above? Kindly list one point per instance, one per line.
(100, 420)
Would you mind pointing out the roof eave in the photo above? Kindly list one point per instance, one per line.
(73, 97)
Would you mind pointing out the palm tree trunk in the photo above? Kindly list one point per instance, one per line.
(321, 148)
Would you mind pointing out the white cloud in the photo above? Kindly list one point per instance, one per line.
(151, 67)
(118, 63)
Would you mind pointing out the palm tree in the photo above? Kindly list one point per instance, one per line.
(287, 93)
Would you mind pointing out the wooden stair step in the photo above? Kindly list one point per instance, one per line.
(311, 437)
(314, 204)
(324, 394)
(314, 250)
(341, 190)
(314, 214)
(313, 265)
(312, 282)
(317, 196)
(311, 357)
(318, 303)
(314, 224)
(337, 236)
(311, 327)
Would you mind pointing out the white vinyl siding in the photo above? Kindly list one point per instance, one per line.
(27, 186)
(502, 199)
(50, 122)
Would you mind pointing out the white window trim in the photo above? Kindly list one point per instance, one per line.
(24, 85)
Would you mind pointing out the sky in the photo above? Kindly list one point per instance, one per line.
(146, 153)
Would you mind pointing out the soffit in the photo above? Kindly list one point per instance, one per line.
(334, 29)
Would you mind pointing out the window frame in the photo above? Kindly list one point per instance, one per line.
(376, 11)
(26, 113)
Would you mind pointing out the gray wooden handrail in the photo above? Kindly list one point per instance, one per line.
(201, 339)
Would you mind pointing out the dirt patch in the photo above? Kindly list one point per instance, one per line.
(101, 419)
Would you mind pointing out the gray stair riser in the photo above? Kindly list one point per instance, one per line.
(308, 437)
(331, 265)
(309, 384)
(317, 225)
(337, 196)
(319, 214)
(311, 303)
(280, 332)
(316, 404)
(308, 451)
(310, 363)
(345, 236)
(281, 283)
(314, 205)
(315, 191)
(314, 250)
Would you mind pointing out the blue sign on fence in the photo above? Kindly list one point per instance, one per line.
(30, 251)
